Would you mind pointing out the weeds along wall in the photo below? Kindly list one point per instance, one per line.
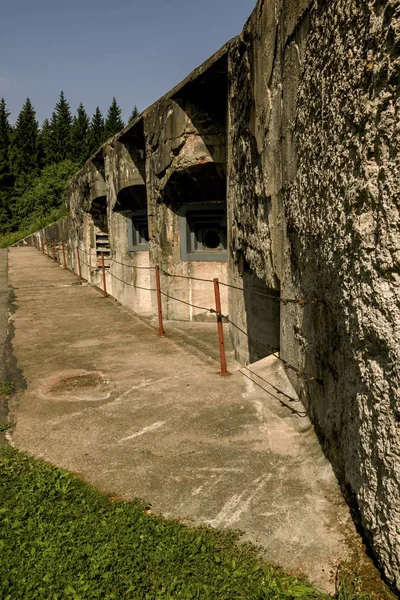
(294, 128)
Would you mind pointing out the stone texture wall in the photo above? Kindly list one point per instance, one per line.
(131, 277)
(297, 123)
(63, 234)
(86, 202)
(186, 158)
(314, 195)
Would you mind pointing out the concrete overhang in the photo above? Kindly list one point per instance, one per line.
(209, 71)
(98, 188)
(91, 178)
(186, 129)
(127, 158)
(86, 186)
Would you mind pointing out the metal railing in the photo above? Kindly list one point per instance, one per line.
(58, 250)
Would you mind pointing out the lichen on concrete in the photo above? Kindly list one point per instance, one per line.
(316, 135)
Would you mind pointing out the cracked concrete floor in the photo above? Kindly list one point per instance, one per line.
(148, 417)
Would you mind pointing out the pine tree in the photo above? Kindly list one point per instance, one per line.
(61, 123)
(46, 193)
(24, 151)
(45, 144)
(96, 131)
(80, 136)
(134, 114)
(113, 123)
(6, 177)
(5, 134)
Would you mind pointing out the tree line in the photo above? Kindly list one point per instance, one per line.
(37, 161)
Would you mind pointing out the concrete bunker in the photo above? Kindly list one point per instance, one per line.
(131, 201)
(186, 142)
(99, 239)
(197, 197)
(297, 167)
(87, 204)
(129, 230)
(100, 230)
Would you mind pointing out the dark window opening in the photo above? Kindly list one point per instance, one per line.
(102, 248)
(211, 239)
(101, 240)
(138, 231)
(203, 232)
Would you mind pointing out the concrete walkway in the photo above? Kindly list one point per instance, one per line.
(148, 417)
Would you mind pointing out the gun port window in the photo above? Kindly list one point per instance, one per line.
(138, 231)
(203, 232)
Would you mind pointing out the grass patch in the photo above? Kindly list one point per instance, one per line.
(61, 539)
(6, 388)
(9, 239)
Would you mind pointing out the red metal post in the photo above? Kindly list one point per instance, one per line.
(64, 259)
(104, 276)
(224, 371)
(159, 302)
(78, 260)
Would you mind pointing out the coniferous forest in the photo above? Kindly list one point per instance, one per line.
(36, 161)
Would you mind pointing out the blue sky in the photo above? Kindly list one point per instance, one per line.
(93, 50)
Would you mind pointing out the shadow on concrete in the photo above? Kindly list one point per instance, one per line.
(262, 307)
(197, 183)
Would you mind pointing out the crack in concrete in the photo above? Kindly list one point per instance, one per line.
(147, 429)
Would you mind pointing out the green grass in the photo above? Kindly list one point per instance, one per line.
(61, 539)
(11, 238)
(6, 388)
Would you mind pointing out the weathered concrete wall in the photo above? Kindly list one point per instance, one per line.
(185, 163)
(57, 239)
(59, 231)
(314, 172)
(295, 125)
(130, 275)
(86, 202)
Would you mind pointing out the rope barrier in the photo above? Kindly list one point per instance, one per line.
(267, 348)
(185, 276)
(252, 373)
(272, 297)
(138, 287)
(273, 351)
(292, 410)
(270, 350)
(301, 302)
(83, 251)
(290, 398)
(284, 301)
(130, 266)
(211, 310)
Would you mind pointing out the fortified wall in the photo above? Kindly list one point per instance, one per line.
(275, 167)
(314, 198)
